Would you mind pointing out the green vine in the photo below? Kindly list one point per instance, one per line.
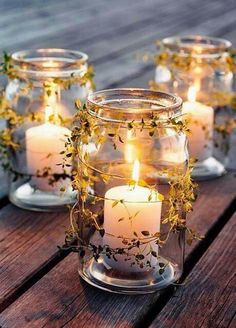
(87, 213)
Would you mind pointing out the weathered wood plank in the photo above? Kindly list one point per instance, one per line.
(125, 66)
(145, 34)
(208, 298)
(34, 9)
(83, 24)
(28, 241)
(60, 298)
(81, 28)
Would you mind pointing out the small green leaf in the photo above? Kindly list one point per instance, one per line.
(115, 203)
(142, 183)
(102, 232)
(161, 271)
(120, 139)
(140, 256)
(161, 197)
(145, 233)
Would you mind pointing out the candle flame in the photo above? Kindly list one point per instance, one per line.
(136, 168)
(192, 92)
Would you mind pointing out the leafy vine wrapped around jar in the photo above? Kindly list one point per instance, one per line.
(201, 71)
(38, 106)
(134, 190)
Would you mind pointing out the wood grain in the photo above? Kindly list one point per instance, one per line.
(61, 298)
(28, 241)
(126, 66)
(208, 298)
(74, 23)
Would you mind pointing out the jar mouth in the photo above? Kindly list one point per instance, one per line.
(197, 46)
(48, 62)
(132, 104)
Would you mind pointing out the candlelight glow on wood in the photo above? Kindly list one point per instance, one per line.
(200, 118)
(128, 211)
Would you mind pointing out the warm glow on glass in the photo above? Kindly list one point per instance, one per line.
(52, 98)
(50, 64)
(197, 49)
(48, 113)
(51, 102)
(135, 173)
(192, 93)
(131, 151)
(198, 73)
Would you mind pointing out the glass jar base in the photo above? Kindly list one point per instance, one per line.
(100, 275)
(208, 169)
(35, 200)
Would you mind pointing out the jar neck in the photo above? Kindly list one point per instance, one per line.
(196, 46)
(44, 64)
(133, 105)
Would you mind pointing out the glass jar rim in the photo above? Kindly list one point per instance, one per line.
(133, 104)
(50, 62)
(197, 46)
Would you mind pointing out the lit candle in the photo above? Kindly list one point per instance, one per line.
(200, 119)
(43, 146)
(138, 210)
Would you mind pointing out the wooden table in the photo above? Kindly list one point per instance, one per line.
(40, 287)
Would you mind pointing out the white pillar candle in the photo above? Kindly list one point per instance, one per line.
(43, 146)
(137, 212)
(200, 118)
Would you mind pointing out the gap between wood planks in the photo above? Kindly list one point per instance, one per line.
(29, 282)
(189, 265)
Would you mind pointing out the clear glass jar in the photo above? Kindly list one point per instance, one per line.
(43, 87)
(129, 220)
(199, 70)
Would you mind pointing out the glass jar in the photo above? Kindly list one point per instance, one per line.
(132, 179)
(200, 70)
(43, 87)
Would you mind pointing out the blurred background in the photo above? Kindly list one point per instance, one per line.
(113, 32)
